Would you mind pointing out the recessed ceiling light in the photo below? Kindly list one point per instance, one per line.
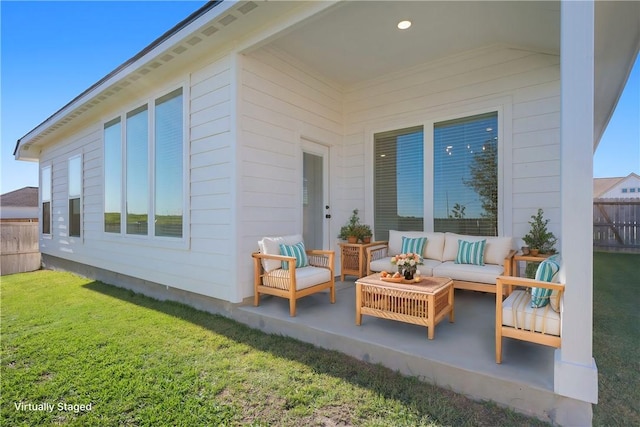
(403, 25)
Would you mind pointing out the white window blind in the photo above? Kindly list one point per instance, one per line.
(398, 181)
(465, 175)
(112, 176)
(74, 180)
(137, 171)
(168, 165)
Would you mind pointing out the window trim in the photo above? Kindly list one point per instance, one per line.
(150, 239)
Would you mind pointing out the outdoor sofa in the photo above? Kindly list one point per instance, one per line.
(471, 264)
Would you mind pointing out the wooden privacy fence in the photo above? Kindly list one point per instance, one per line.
(616, 224)
(19, 250)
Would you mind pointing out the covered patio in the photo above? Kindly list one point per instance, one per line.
(265, 83)
(461, 357)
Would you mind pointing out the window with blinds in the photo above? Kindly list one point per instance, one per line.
(137, 143)
(112, 176)
(143, 169)
(74, 180)
(398, 181)
(45, 190)
(168, 165)
(465, 175)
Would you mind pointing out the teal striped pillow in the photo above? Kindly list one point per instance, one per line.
(471, 252)
(413, 245)
(545, 273)
(297, 251)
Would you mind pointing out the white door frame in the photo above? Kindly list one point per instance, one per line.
(318, 149)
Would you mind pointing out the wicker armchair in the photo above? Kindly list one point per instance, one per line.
(516, 318)
(292, 282)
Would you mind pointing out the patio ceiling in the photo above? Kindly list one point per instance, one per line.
(355, 41)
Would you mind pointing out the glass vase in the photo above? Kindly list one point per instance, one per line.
(408, 273)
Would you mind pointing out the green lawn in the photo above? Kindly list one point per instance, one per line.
(69, 341)
(616, 338)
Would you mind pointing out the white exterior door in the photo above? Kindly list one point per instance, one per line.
(315, 195)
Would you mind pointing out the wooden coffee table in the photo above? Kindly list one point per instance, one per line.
(423, 303)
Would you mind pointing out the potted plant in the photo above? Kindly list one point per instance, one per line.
(364, 233)
(539, 240)
(353, 231)
(349, 231)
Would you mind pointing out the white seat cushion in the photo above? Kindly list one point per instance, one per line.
(518, 313)
(468, 272)
(384, 264)
(305, 277)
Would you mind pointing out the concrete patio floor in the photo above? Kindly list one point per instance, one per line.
(461, 357)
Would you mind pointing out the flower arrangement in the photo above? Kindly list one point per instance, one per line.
(407, 263)
(407, 260)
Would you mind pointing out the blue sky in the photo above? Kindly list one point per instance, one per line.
(53, 51)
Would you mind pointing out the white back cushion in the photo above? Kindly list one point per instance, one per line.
(271, 246)
(432, 250)
(496, 249)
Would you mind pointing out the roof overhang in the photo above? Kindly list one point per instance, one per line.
(348, 42)
(616, 45)
(216, 27)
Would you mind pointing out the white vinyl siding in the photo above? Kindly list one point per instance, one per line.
(245, 117)
(212, 177)
(522, 86)
(281, 103)
(57, 157)
(199, 264)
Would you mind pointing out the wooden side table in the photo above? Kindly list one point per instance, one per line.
(352, 259)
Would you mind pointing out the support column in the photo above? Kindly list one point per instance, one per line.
(575, 373)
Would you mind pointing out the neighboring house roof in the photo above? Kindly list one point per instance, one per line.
(19, 204)
(24, 197)
(603, 185)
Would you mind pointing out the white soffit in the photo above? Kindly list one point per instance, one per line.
(360, 40)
